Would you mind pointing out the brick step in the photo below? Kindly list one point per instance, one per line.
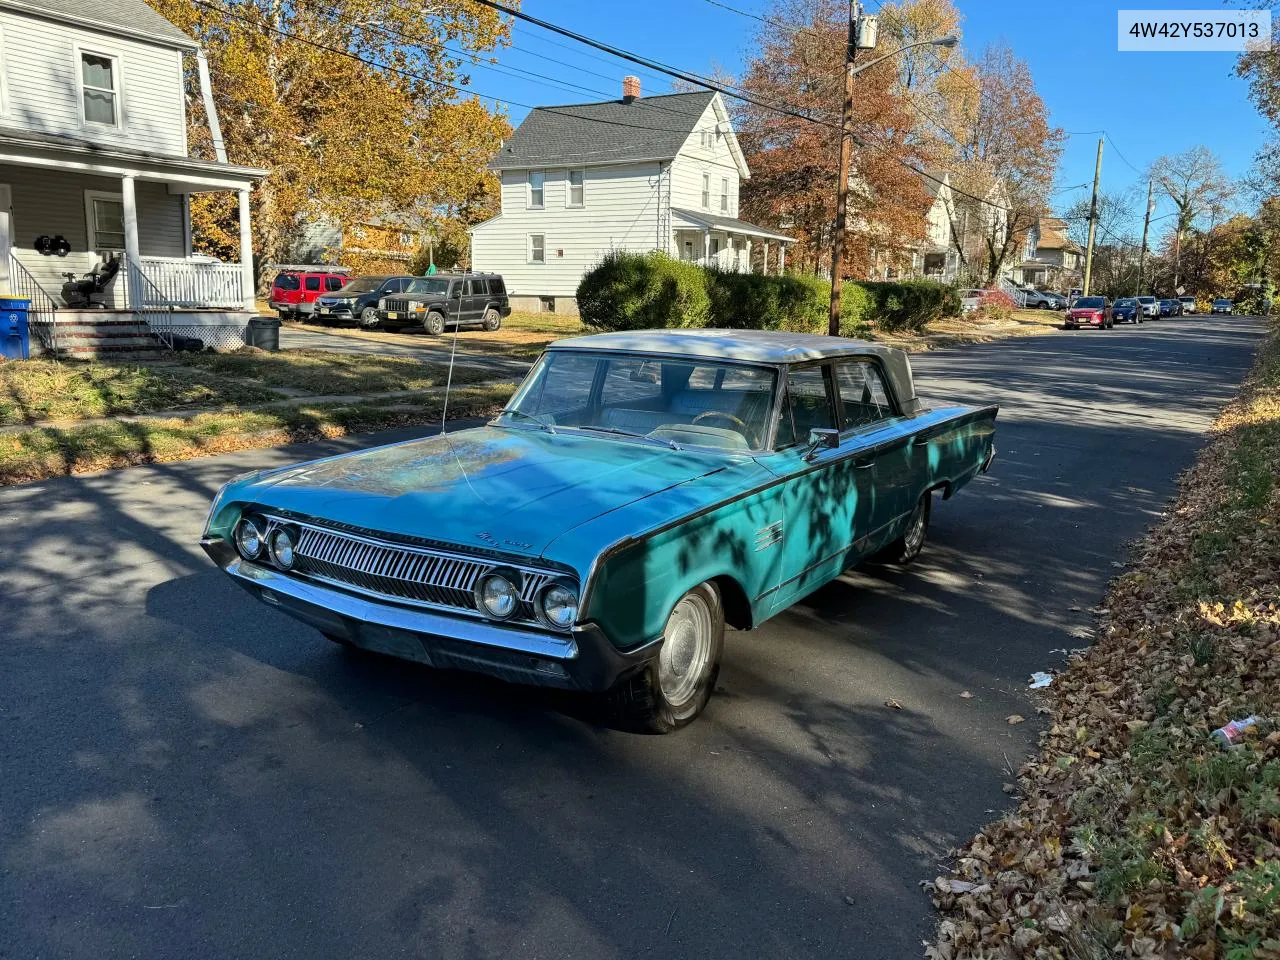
(102, 334)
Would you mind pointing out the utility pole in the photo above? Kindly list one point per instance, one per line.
(1146, 226)
(1093, 223)
(846, 160)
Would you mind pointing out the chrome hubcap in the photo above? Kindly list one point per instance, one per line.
(686, 646)
(915, 532)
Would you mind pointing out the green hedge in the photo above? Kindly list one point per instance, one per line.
(629, 291)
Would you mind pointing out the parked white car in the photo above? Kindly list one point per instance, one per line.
(970, 300)
(1188, 304)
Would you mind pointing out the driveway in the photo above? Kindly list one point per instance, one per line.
(431, 349)
(184, 772)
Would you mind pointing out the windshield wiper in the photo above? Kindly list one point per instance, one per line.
(628, 433)
(512, 412)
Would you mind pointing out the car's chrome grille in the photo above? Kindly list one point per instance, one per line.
(398, 305)
(416, 574)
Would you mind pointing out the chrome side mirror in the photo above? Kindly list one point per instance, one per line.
(821, 438)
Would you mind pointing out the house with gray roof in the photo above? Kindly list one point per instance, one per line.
(96, 176)
(636, 174)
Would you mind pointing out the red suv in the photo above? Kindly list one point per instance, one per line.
(295, 289)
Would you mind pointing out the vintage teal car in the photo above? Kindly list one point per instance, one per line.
(639, 492)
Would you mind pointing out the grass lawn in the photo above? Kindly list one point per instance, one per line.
(327, 374)
(40, 453)
(521, 337)
(32, 390)
(1138, 836)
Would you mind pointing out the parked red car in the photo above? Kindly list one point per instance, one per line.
(1090, 312)
(295, 289)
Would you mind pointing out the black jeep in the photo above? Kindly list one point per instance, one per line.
(448, 300)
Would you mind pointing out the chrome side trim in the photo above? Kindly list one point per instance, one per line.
(486, 633)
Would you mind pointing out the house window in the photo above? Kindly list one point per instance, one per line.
(537, 248)
(537, 184)
(706, 191)
(715, 247)
(724, 195)
(576, 179)
(99, 79)
(104, 215)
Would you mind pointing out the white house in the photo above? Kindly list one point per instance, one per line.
(94, 167)
(938, 257)
(636, 174)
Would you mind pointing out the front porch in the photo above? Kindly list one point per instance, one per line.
(724, 243)
(89, 234)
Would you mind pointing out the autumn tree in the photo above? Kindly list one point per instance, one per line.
(355, 107)
(1115, 257)
(1007, 156)
(798, 68)
(1198, 187)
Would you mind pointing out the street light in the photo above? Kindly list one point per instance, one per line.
(846, 145)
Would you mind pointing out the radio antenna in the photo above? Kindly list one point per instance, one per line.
(448, 384)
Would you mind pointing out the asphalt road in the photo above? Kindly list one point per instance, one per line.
(186, 773)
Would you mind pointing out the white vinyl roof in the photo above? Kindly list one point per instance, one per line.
(750, 346)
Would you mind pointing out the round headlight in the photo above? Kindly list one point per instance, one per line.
(248, 539)
(559, 606)
(282, 548)
(497, 596)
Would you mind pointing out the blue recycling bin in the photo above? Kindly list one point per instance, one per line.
(15, 336)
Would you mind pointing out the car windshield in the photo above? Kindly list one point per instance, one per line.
(1146, 299)
(670, 400)
(1087, 303)
(1221, 303)
(363, 285)
(1126, 302)
(1187, 299)
(431, 285)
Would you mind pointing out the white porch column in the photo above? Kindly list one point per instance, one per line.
(133, 261)
(782, 258)
(748, 270)
(764, 266)
(706, 248)
(246, 254)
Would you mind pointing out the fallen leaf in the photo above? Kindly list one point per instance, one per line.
(893, 704)
(966, 695)
(1015, 718)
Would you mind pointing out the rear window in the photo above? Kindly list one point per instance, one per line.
(1087, 303)
(287, 281)
(496, 287)
(333, 283)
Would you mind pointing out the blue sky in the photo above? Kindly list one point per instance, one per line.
(1149, 103)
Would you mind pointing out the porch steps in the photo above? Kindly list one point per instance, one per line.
(85, 336)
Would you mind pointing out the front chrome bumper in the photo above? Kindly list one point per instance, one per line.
(582, 660)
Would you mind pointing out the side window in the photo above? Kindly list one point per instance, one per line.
(496, 287)
(334, 283)
(312, 283)
(862, 394)
(808, 405)
(475, 288)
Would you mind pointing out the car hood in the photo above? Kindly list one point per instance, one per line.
(510, 489)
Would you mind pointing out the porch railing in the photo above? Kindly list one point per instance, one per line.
(40, 319)
(190, 283)
(1012, 290)
(164, 318)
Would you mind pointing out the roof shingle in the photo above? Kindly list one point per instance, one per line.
(133, 17)
(649, 128)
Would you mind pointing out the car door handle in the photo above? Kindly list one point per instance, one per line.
(865, 464)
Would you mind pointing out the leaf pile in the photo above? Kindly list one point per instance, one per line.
(1138, 836)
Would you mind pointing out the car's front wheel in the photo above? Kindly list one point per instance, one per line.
(434, 324)
(369, 318)
(674, 687)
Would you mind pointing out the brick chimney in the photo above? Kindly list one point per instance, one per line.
(630, 89)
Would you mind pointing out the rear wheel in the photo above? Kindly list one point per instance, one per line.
(434, 324)
(492, 320)
(369, 318)
(675, 686)
(908, 546)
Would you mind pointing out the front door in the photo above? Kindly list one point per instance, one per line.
(830, 492)
(6, 236)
